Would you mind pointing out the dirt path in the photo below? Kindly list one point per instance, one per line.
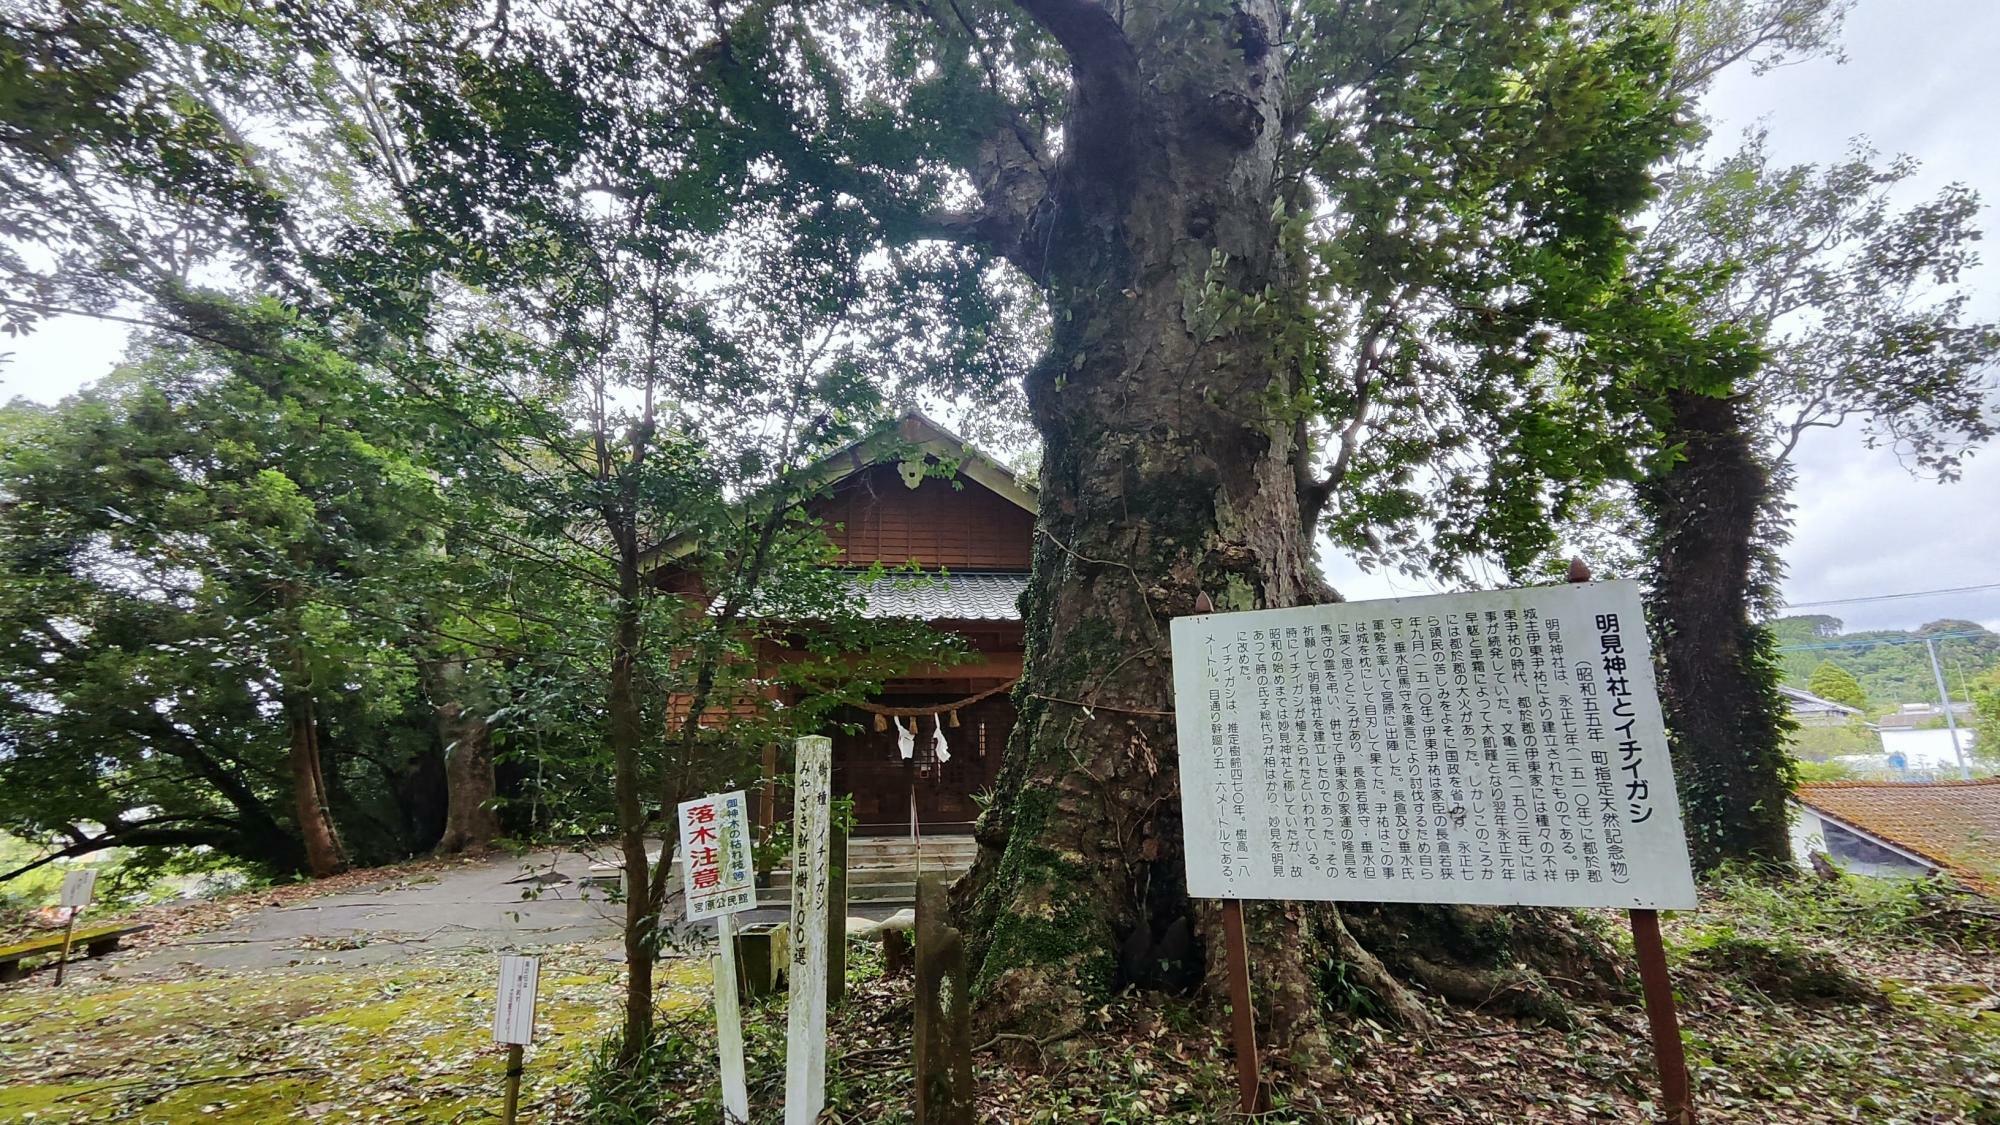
(372, 1003)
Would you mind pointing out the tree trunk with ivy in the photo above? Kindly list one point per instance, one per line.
(1718, 670)
(1173, 467)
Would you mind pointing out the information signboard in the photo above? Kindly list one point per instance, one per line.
(514, 1010)
(716, 871)
(1501, 748)
(77, 888)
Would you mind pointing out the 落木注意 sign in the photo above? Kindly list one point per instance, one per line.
(715, 856)
(1503, 747)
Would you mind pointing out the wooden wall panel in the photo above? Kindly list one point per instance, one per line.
(873, 516)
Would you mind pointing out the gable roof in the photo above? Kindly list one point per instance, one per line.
(1807, 701)
(1953, 824)
(891, 443)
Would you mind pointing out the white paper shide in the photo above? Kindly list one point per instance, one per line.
(716, 871)
(514, 1009)
(1502, 747)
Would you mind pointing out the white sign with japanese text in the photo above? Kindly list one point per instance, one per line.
(1503, 747)
(716, 871)
(77, 887)
(514, 1009)
(805, 1029)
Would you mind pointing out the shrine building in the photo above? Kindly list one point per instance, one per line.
(969, 526)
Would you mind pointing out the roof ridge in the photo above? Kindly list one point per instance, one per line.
(1955, 783)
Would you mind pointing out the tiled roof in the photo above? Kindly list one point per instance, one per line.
(956, 596)
(1954, 824)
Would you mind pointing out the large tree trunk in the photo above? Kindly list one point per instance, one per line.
(472, 818)
(1718, 681)
(1169, 471)
(324, 852)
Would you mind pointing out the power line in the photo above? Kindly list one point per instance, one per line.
(1893, 597)
(1884, 641)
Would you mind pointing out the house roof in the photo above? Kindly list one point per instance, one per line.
(957, 596)
(913, 434)
(1954, 824)
(917, 432)
(1807, 701)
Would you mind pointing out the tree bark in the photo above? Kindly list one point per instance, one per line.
(324, 853)
(1168, 472)
(472, 818)
(627, 731)
(1718, 681)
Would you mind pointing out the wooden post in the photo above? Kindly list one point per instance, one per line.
(513, 1083)
(1658, 986)
(805, 1033)
(1661, 1016)
(1249, 1079)
(62, 962)
(942, 1037)
(729, 1026)
(836, 915)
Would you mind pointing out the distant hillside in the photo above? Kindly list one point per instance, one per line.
(1890, 664)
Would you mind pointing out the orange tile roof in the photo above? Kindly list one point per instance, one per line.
(1954, 824)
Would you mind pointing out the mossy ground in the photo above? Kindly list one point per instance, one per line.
(1906, 1029)
(409, 1041)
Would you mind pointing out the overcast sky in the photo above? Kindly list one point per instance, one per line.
(1920, 79)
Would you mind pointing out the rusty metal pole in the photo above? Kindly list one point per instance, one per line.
(1249, 1080)
(1658, 986)
(1661, 1016)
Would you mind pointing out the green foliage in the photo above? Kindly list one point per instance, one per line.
(1986, 716)
(1812, 766)
(1852, 908)
(1832, 682)
(1890, 665)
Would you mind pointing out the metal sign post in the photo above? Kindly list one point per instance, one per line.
(77, 887)
(1661, 1018)
(1499, 747)
(514, 1020)
(1249, 1077)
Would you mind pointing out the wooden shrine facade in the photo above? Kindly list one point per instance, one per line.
(975, 526)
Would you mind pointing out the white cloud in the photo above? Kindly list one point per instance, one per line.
(1919, 80)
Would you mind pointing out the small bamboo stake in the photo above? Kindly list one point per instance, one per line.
(513, 1082)
(62, 962)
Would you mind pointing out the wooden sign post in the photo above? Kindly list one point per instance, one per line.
(514, 1020)
(942, 1037)
(720, 880)
(77, 887)
(805, 1038)
(1516, 735)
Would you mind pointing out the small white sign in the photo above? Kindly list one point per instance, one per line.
(1503, 748)
(77, 887)
(514, 1014)
(716, 871)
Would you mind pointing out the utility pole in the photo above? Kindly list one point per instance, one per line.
(1950, 720)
